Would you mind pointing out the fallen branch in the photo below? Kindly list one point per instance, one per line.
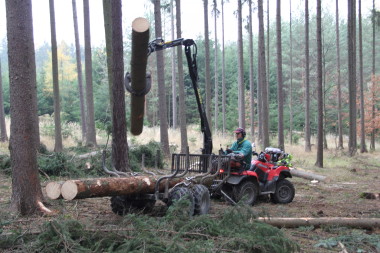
(306, 174)
(368, 223)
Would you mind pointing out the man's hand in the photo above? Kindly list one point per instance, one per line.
(229, 151)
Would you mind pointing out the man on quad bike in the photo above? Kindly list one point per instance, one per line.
(242, 149)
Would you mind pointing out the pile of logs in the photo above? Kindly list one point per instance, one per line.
(100, 187)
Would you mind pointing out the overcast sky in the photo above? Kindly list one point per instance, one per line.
(192, 17)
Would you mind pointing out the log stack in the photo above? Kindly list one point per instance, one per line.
(100, 187)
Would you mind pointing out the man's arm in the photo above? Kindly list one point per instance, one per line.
(246, 150)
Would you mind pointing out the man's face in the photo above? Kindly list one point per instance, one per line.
(238, 135)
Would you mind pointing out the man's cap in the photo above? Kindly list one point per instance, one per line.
(239, 130)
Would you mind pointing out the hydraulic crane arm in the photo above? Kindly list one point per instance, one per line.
(158, 45)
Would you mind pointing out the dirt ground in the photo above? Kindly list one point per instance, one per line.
(338, 196)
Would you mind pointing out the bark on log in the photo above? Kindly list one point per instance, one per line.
(368, 223)
(306, 175)
(139, 59)
(53, 190)
(100, 187)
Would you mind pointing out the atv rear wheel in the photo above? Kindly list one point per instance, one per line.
(246, 192)
(284, 192)
(122, 204)
(180, 193)
(201, 199)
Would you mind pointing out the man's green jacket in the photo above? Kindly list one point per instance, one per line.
(243, 146)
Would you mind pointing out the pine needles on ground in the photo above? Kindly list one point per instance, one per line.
(235, 230)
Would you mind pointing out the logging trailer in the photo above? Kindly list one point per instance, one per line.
(195, 170)
(200, 176)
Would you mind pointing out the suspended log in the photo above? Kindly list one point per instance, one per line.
(139, 59)
(100, 187)
(53, 190)
(368, 223)
(306, 175)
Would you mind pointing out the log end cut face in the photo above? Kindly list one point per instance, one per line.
(140, 25)
(69, 190)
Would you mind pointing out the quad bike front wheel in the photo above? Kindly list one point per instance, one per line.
(122, 205)
(201, 199)
(284, 192)
(246, 192)
(180, 193)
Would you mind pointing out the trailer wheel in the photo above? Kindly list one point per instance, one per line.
(247, 192)
(179, 193)
(201, 199)
(284, 192)
(122, 205)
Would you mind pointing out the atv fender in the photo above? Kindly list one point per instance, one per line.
(235, 180)
(285, 174)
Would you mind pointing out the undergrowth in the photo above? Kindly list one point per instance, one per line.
(235, 230)
(65, 164)
(356, 241)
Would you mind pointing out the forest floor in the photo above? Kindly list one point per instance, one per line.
(338, 196)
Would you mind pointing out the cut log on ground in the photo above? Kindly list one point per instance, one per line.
(101, 187)
(88, 155)
(368, 223)
(306, 175)
(53, 190)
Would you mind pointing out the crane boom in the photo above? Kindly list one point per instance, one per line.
(158, 45)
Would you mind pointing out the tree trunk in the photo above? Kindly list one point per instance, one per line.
(107, 15)
(373, 132)
(268, 50)
(54, 57)
(224, 100)
(263, 83)
(181, 86)
(100, 187)
(79, 72)
(91, 134)
(338, 85)
(251, 76)
(216, 64)
(174, 73)
(319, 161)
(291, 76)
(161, 84)
(119, 128)
(351, 47)
(3, 127)
(307, 81)
(241, 86)
(280, 91)
(207, 63)
(26, 189)
(368, 223)
(363, 146)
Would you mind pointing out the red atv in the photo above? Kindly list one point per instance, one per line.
(264, 176)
